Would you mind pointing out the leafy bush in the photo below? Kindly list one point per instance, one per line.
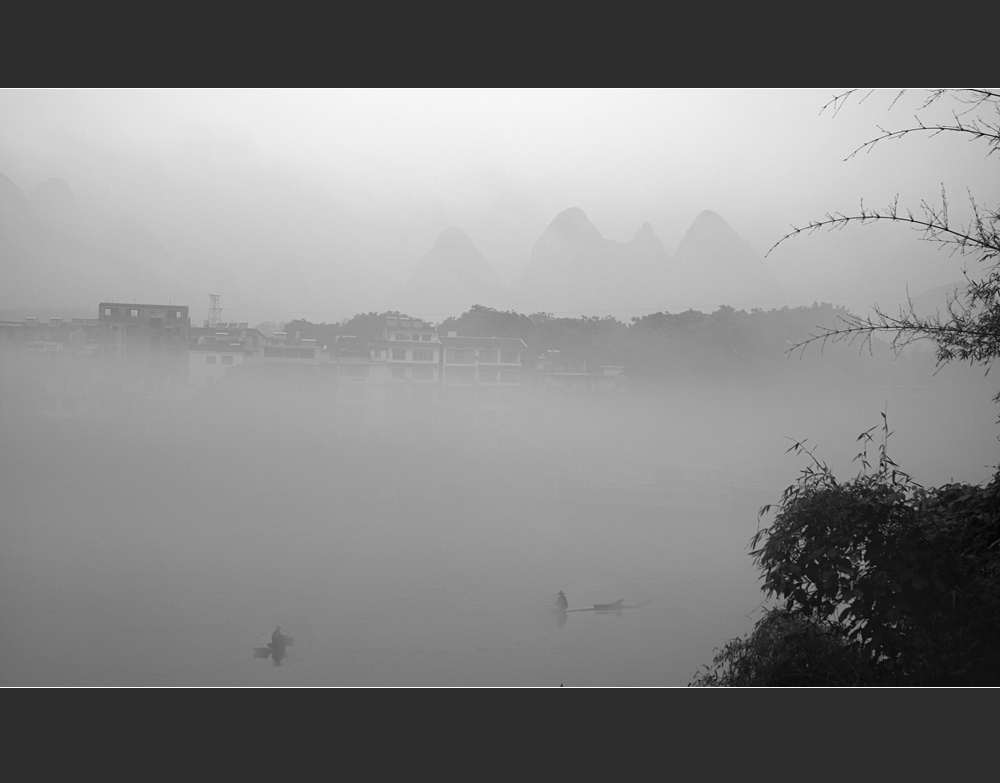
(903, 581)
(908, 578)
(786, 649)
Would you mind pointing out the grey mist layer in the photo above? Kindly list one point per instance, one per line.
(391, 369)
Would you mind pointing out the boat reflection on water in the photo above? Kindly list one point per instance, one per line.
(561, 608)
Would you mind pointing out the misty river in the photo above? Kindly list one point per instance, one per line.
(137, 563)
(396, 596)
(163, 554)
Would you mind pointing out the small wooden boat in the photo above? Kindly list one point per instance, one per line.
(617, 606)
(272, 648)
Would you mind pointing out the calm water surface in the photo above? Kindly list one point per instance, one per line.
(386, 594)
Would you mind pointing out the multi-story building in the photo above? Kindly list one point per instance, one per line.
(481, 376)
(406, 377)
(209, 361)
(412, 351)
(147, 344)
(214, 350)
(493, 361)
(241, 332)
(360, 374)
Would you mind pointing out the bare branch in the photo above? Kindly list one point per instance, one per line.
(969, 330)
(838, 101)
(978, 129)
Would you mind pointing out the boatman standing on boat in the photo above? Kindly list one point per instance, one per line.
(561, 602)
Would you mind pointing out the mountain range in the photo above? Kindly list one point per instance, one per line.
(574, 270)
(49, 257)
(52, 257)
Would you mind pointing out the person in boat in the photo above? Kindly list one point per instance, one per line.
(278, 639)
(561, 602)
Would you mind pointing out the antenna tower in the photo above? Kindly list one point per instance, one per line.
(215, 310)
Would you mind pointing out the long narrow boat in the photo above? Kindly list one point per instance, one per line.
(615, 607)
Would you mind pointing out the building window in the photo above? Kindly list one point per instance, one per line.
(133, 312)
(425, 338)
(399, 373)
(227, 359)
(402, 337)
(508, 357)
(487, 374)
(177, 313)
(399, 354)
(461, 357)
(107, 311)
(423, 356)
(487, 356)
(423, 373)
(509, 376)
(209, 360)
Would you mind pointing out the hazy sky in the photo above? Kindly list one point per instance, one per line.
(223, 177)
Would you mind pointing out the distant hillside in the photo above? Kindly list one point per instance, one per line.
(574, 269)
(51, 262)
(450, 278)
(716, 266)
(335, 254)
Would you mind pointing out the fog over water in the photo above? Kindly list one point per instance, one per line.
(161, 512)
(137, 551)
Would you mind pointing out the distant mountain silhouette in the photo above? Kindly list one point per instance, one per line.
(575, 270)
(55, 205)
(450, 278)
(49, 259)
(716, 266)
(51, 256)
(17, 217)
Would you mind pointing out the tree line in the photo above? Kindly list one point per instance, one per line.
(689, 346)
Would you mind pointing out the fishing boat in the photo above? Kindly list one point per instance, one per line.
(617, 606)
(272, 649)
